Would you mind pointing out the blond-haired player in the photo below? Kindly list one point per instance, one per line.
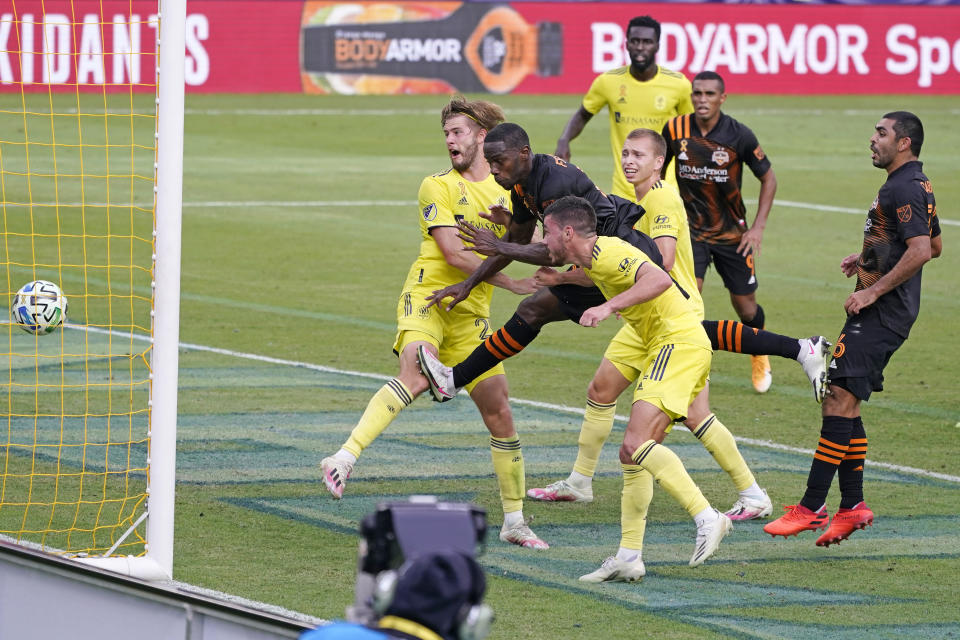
(458, 193)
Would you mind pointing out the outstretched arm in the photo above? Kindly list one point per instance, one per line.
(485, 242)
(452, 248)
(550, 277)
(487, 268)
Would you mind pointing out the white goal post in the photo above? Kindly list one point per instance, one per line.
(157, 562)
(88, 438)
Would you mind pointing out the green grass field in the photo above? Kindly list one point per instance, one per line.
(299, 226)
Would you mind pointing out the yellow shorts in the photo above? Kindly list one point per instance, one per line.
(627, 352)
(455, 334)
(673, 375)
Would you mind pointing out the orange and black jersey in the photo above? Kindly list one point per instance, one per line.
(709, 172)
(552, 178)
(904, 208)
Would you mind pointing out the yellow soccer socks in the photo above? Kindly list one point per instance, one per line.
(383, 407)
(720, 443)
(596, 427)
(667, 469)
(508, 466)
(634, 502)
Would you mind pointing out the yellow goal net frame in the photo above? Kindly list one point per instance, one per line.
(91, 148)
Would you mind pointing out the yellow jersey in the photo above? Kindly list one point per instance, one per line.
(636, 105)
(444, 199)
(668, 318)
(666, 216)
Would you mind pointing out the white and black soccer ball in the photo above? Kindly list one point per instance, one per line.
(39, 307)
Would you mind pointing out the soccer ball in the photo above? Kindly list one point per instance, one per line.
(39, 307)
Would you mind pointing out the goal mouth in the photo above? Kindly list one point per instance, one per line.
(90, 193)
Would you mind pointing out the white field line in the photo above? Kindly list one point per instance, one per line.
(255, 204)
(769, 444)
(410, 203)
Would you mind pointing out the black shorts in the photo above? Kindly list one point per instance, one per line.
(736, 270)
(862, 352)
(574, 299)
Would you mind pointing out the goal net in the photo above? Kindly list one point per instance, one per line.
(91, 117)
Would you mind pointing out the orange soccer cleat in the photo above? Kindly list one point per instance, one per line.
(797, 518)
(845, 522)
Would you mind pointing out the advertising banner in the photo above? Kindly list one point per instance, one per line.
(319, 46)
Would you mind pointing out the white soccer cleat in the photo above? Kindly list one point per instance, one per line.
(750, 508)
(439, 375)
(335, 474)
(561, 491)
(815, 356)
(521, 535)
(709, 535)
(615, 570)
(760, 374)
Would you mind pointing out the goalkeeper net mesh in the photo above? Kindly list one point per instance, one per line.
(77, 171)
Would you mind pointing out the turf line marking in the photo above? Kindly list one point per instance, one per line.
(834, 209)
(250, 204)
(412, 203)
(769, 444)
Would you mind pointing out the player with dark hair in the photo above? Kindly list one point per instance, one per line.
(902, 234)
(711, 149)
(535, 181)
(641, 94)
(445, 198)
(674, 355)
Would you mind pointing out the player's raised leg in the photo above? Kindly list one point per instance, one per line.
(812, 353)
(509, 340)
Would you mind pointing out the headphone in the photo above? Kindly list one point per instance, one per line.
(474, 619)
